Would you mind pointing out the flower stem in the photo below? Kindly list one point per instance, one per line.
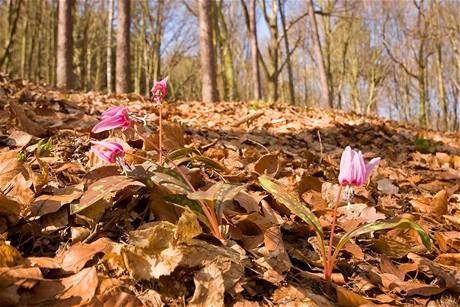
(160, 134)
(328, 267)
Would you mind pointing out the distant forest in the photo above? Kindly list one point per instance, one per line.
(397, 59)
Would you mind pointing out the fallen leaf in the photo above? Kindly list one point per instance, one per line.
(80, 253)
(45, 204)
(209, 287)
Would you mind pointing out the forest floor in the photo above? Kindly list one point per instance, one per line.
(74, 230)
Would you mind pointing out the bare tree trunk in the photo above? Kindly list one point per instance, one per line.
(157, 40)
(14, 9)
(440, 90)
(319, 56)
(208, 68)
(226, 54)
(64, 50)
(109, 47)
(288, 55)
(254, 50)
(122, 63)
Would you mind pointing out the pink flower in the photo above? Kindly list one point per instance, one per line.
(110, 152)
(353, 170)
(160, 90)
(115, 117)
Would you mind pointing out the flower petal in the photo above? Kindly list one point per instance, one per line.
(115, 111)
(109, 123)
(371, 166)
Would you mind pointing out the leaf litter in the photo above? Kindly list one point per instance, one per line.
(74, 231)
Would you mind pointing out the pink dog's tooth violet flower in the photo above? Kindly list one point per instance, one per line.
(160, 90)
(353, 170)
(115, 117)
(110, 152)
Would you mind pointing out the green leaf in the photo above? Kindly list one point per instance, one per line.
(184, 202)
(218, 194)
(282, 195)
(170, 179)
(183, 152)
(206, 161)
(403, 223)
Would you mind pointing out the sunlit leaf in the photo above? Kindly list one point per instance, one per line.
(402, 224)
(282, 195)
(170, 179)
(182, 152)
(218, 194)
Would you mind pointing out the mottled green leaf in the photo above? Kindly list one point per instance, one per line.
(182, 152)
(402, 223)
(282, 195)
(218, 194)
(170, 179)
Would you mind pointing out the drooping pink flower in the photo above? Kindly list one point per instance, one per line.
(110, 152)
(160, 90)
(107, 151)
(353, 170)
(115, 117)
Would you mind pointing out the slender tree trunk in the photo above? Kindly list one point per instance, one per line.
(64, 51)
(14, 9)
(288, 56)
(157, 41)
(208, 69)
(122, 63)
(326, 97)
(441, 91)
(255, 71)
(109, 47)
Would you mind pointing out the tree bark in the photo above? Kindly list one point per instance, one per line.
(13, 9)
(288, 55)
(208, 68)
(65, 45)
(109, 47)
(326, 97)
(122, 62)
(254, 51)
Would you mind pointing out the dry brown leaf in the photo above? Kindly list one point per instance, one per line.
(46, 204)
(9, 256)
(44, 262)
(187, 227)
(80, 253)
(449, 259)
(267, 165)
(347, 298)
(447, 240)
(448, 277)
(209, 287)
(27, 124)
(437, 206)
(19, 138)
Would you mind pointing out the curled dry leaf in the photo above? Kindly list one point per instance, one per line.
(267, 165)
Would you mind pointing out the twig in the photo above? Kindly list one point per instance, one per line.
(248, 118)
